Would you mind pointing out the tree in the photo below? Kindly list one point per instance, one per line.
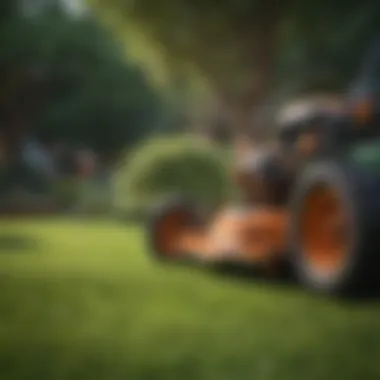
(232, 43)
(245, 47)
(67, 77)
(325, 43)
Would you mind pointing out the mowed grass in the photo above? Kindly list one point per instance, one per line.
(82, 300)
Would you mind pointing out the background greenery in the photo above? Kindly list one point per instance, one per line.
(188, 166)
(67, 78)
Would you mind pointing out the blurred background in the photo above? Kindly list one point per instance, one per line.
(107, 106)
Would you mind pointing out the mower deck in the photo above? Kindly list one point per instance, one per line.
(247, 236)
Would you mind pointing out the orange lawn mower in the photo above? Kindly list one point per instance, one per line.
(313, 204)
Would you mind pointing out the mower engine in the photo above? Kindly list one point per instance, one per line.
(262, 178)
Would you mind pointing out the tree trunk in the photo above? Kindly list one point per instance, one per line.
(246, 112)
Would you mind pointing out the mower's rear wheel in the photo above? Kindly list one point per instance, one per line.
(167, 222)
(335, 228)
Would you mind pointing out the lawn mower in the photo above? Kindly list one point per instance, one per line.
(312, 204)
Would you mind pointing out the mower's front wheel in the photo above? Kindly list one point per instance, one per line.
(167, 223)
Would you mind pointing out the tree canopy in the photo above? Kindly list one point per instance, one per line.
(230, 42)
(247, 48)
(68, 78)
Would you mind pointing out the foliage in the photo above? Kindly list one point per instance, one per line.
(325, 44)
(231, 42)
(67, 77)
(173, 165)
(249, 49)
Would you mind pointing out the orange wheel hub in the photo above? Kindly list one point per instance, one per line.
(324, 231)
(170, 231)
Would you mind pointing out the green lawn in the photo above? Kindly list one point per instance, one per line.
(81, 300)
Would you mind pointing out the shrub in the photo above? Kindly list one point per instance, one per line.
(160, 167)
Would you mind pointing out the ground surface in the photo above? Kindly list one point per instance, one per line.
(80, 300)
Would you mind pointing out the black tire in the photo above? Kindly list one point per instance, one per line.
(359, 192)
(158, 214)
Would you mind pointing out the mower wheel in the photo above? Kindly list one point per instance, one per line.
(335, 228)
(165, 225)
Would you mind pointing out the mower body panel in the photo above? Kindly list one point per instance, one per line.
(367, 155)
(252, 235)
